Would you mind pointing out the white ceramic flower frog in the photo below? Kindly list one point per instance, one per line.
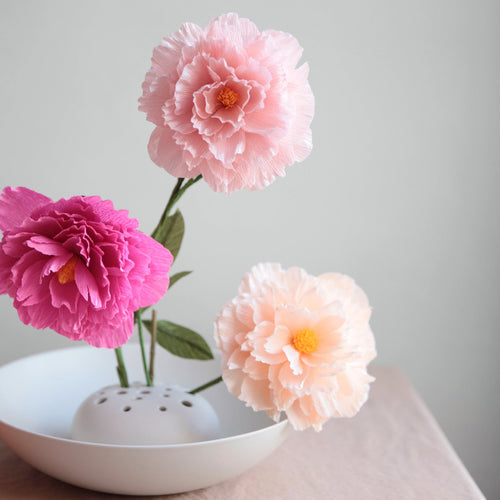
(142, 415)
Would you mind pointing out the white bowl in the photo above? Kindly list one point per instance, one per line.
(40, 394)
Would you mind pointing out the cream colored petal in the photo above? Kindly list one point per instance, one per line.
(263, 310)
(283, 398)
(259, 273)
(300, 420)
(237, 359)
(324, 404)
(244, 313)
(293, 357)
(233, 380)
(298, 319)
(278, 340)
(290, 380)
(256, 394)
(256, 369)
(353, 391)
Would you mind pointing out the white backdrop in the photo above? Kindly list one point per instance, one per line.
(400, 192)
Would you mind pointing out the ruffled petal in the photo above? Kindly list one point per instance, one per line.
(17, 204)
(230, 104)
(80, 267)
(322, 376)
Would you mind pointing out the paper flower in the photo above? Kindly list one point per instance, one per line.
(78, 266)
(297, 343)
(229, 103)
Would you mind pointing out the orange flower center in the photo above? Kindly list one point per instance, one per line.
(305, 341)
(227, 97)
(67, 272)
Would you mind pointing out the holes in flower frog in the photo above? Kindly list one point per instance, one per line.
(166, 395)
(187, 403)
(122, 392)
(127, 408)
(162, 408)
(101, 401)
(145, 392)
(138, 398)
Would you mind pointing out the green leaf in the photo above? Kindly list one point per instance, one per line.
(180, 340)
(171, 232)
(177, 276)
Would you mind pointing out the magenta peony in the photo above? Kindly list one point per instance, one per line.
(78, 266)
(297, 343)
(228, 103)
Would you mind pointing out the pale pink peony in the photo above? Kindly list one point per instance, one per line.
(297, 343)
(78, 266)
(229, 103)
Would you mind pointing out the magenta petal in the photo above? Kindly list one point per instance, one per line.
(5, 278)
(54, 264)
(63, 295)
(114, 336)
(87, 285)
(16, 204)
(156, 282)
(106, 213)
(31, 282)
(40, 315)
(19, 265)
(47, 246)
(80, 267)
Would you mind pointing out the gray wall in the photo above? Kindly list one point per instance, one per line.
(400, 192)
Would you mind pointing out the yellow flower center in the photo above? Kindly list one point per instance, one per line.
(67, 272)
(227, 97)
(305, 341)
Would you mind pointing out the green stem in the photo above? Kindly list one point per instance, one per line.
(152, 348)
(206, 386)
(177, 192)
(182, 190)
(122, 371)
(179, 189)
(138, 318)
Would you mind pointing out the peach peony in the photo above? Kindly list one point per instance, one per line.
(297, 343)
(228, 103)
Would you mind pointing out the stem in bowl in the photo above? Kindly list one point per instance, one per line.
(206, 386)
(122, 371)
(152, 347)
(138, 319)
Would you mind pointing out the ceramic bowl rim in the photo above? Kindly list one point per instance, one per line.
(282, 423)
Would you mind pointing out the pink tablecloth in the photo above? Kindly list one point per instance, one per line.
(393, 449)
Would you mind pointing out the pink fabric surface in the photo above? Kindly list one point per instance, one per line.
(393, 449)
